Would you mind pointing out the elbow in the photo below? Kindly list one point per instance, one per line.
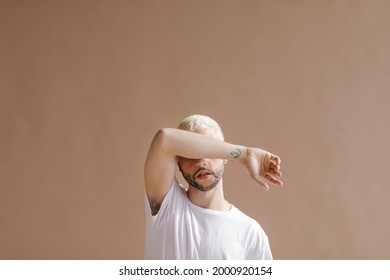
(161, 138)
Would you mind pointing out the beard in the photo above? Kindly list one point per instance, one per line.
(191, 180)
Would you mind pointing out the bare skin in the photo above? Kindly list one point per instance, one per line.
(200, 157)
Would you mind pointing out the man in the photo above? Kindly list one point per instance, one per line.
(199, 223)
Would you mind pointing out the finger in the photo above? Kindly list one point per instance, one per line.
(267, 160)
(274, 166)
(276, 159)
(264, 185)
(273, 180)
(275, 173)
(260, 182)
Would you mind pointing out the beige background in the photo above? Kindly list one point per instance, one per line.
(84, 85)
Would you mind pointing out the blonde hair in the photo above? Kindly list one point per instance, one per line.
(196, 122)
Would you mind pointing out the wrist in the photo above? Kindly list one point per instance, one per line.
(239, 154)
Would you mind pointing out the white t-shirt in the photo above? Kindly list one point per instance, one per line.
(184, 231)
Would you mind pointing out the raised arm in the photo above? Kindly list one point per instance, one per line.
(168, 143)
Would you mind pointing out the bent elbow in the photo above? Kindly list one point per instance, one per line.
(161, 138)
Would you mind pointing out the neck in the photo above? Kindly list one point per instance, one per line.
(213, 199)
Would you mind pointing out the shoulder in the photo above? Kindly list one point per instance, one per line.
(247, 222)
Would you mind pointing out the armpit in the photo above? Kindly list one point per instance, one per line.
(154, 207)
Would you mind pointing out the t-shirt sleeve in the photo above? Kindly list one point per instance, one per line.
(260, 248)
(265, 250)
(171, 202)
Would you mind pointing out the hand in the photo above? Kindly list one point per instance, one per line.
(263, 165)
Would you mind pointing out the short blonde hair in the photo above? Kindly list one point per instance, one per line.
(196, 122)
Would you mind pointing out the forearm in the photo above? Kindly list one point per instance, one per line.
(197, 146)
(170, 143)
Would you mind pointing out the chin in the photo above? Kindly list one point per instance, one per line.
(204, 188)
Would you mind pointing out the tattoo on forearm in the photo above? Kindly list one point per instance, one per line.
(236, 153)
